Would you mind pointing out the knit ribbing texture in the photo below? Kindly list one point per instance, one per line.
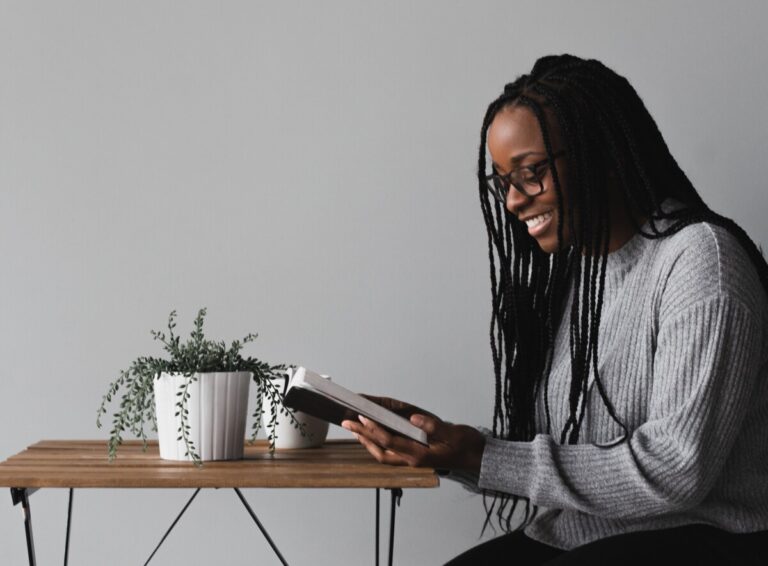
(683, 362)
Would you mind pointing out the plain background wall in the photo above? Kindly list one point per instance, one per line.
(304, 170)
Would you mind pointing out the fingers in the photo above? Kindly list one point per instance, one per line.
(387, 402)
(382, 436)
(396, 406)
(382, 455)
(385, 446)
(427, 423)
(370, 430)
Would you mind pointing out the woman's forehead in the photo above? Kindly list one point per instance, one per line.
(513, 132)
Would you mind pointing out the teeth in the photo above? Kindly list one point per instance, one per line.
(536, 220)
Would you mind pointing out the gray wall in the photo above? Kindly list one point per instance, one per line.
(305, 170)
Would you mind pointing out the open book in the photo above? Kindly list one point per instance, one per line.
(324, 399)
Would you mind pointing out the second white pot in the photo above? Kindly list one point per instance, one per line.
(287, 436)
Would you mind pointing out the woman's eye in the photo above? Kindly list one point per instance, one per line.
(535, 173)
(532, 176)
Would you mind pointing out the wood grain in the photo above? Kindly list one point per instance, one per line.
(83, 464)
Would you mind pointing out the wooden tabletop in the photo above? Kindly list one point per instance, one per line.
(83, 463)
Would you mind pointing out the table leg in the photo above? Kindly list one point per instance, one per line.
(69, 525)
(162, 540)
(21, 495)
(397, 494)
(261, 527)
(378, 493)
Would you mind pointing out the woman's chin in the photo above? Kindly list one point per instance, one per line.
(548, 244)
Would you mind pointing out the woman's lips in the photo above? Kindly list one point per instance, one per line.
(538, 224)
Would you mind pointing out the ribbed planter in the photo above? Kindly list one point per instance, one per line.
(218, 409)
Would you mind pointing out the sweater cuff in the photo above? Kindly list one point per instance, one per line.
(507, 466)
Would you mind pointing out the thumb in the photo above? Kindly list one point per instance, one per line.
(424, 422)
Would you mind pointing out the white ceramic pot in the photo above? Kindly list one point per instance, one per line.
(289, 437)
(218, 408)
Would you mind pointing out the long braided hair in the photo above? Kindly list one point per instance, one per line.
(612, 144)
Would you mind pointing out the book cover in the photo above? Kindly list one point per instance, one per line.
(324, 399)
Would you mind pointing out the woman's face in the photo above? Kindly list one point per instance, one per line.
(514, 142)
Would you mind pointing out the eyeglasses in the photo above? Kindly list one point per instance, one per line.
(528, 180)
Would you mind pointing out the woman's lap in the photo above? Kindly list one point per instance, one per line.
(510, 548)
(691, 544)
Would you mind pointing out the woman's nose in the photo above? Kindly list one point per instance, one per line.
(515, 200)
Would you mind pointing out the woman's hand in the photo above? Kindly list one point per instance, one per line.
(452, 447)
(398, 407)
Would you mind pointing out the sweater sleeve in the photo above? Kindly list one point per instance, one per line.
(705, 366)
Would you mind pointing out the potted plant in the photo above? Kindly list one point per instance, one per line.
(195, 398)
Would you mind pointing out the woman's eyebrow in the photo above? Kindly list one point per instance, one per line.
(516, 159)
(519, 157)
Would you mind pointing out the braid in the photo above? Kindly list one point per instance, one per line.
(615, 155)
(521, 289)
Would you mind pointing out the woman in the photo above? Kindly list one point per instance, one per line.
(631, 412)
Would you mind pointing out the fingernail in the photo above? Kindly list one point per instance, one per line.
(417, 420)
(362, 419)
(345, 424)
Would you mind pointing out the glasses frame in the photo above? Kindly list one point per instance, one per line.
(498, 185)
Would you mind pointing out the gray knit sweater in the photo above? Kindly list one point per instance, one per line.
(683, 361)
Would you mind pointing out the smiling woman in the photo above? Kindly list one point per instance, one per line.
(515, 140)
(627, 337)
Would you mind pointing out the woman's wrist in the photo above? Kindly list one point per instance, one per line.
(473, 446)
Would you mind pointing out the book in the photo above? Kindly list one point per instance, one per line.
(315, 395)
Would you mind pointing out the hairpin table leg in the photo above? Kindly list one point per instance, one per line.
(162, 540)
(69, 526)
(378, 493)
(397, 494)
(21, 495)
(261, 527)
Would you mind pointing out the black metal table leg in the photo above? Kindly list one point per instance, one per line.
(69, 525)
(378, 493)
(397, 494)
(261, 527)
(162, 540)
(21, 495)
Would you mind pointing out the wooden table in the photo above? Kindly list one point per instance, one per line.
(83, 464)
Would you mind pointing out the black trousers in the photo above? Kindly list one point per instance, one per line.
(691, 544)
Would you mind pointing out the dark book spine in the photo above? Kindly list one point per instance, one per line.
(317, 405)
